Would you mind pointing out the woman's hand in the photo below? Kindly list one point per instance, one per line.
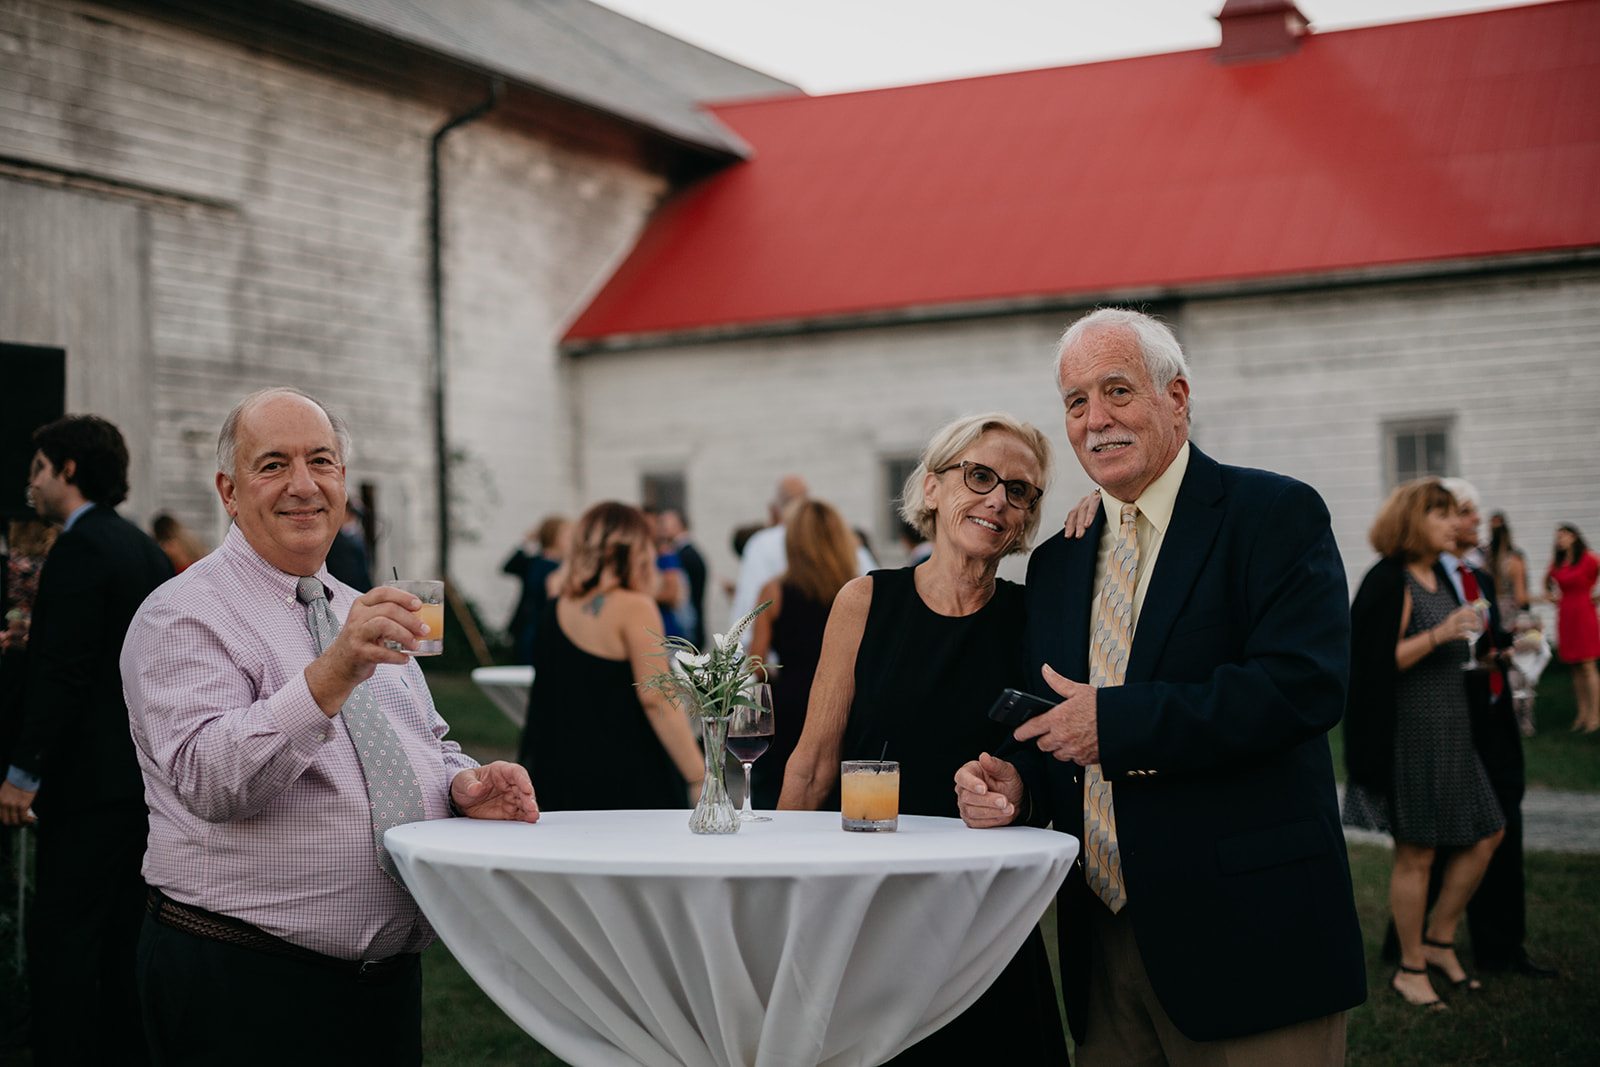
(1081, 517)
(1464, 622)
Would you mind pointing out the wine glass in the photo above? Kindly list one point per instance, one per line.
(749, 734)
(1480, 608)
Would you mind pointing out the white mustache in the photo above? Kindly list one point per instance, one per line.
(1094, 441)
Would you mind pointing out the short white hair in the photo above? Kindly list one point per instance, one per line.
(228, 439)
(1463, 492)
(1163, 356)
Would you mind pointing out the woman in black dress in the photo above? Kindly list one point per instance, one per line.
(911, 661)
(591, 649)
(821, 553)
(1413, 770)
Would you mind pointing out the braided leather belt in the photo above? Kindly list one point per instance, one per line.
(230, 931)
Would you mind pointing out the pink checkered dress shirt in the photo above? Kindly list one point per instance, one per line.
(258, 808)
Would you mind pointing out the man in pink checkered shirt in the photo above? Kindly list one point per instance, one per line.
(273, 931)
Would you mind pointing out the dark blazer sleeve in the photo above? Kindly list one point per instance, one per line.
(1370, 711)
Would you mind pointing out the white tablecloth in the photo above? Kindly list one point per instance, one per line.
(508, 687)
(620, 937)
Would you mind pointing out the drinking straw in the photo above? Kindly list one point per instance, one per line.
(884, 753)
(396, 569)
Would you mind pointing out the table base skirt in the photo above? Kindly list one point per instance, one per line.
(770, 971)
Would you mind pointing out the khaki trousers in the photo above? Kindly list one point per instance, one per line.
(1127, 1027)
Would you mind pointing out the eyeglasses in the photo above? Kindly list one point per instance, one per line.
(982, 480)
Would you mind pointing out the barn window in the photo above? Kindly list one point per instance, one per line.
(896, 469)
(1416, 448)
(664, 491)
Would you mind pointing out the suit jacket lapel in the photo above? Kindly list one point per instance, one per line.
(1196, 517)
(1077, 599)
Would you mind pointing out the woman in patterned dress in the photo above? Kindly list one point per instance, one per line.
(1413, 770)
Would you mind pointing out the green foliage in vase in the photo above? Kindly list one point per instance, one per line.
(710, 683)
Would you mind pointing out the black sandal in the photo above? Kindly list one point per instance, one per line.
(1466, 983)
(1436, 1004)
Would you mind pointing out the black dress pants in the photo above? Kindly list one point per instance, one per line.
(83, 933)
(207, 1003)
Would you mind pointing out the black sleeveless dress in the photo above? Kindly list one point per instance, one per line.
(924, 684)
(797, 638)
(586, 742)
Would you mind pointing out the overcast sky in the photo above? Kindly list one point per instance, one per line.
(827, 46)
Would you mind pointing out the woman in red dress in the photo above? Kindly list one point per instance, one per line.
(1570, 580)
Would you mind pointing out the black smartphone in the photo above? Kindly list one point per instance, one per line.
(1014, 707)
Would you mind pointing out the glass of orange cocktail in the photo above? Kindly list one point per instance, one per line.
(869, 795)
(431, 593)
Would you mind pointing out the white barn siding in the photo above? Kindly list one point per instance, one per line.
(530, 231)
(1300, 383)
(285, 210)
(1307, 382)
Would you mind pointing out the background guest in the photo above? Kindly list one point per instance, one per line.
(590, 652)
(672, 529)
(822, 557)
(73, 760)
(177, 541)
(534, 561)
(762, 557)
(911, 661)
(1570, 582)
(348, 559)
(1508, 567)
(1413, 770)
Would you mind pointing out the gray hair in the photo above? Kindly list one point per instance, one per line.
(1462, 492)
(952, 440)
(228, 439)
(1163, 356)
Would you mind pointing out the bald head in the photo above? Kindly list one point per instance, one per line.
(792, 489)
(281, 477)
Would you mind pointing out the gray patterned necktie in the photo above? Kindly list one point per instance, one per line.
(392, 787)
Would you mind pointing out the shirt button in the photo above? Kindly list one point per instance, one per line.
(322, 737)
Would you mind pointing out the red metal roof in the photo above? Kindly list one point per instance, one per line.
(1469, 136)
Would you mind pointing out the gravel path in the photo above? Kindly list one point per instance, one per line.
(1552, 821)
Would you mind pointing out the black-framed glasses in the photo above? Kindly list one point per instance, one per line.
(983, 480)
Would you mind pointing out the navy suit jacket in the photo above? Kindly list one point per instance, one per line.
(75, 733)
(1227, 820)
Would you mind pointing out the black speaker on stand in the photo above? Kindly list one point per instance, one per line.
(33, 392)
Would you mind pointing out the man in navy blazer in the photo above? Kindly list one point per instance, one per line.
(75, 754)
(1236, 933)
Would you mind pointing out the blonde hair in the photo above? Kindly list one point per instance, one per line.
(821, 550)
(952, 440)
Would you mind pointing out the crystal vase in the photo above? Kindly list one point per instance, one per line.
(714, 813)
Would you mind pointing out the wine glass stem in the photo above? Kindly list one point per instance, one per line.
(747, 789)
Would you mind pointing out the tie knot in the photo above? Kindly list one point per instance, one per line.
(310, 589)
(1129, 513)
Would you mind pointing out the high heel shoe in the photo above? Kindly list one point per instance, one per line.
(1436, 1004)
(1466, 983)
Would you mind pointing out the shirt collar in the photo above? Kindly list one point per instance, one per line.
(236, 548)
(1159, 497)
(76, 515)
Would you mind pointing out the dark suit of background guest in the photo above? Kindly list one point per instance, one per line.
(694, 566)
(89, 896)
(1496, 915)
(1216, 746)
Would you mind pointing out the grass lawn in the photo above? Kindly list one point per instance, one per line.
(1515, 1021)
